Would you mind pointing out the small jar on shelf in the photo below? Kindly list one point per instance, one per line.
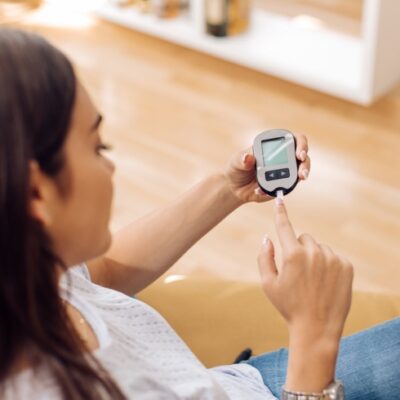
(169, 8)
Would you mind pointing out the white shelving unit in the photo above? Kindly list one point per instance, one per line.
(358, 69)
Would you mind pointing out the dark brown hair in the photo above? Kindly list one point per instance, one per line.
(37, 97)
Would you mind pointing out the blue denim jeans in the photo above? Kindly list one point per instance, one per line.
(368, 364)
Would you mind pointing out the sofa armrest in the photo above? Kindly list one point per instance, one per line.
(219, 318)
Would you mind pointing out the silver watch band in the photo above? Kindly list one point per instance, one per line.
(302, 396)
(334, 391)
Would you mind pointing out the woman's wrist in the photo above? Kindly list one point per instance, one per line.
(312, 363)
(228, 197)
(328, 333)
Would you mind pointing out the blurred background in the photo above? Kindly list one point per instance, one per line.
(184, 84)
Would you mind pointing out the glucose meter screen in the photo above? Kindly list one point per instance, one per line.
(274, 151)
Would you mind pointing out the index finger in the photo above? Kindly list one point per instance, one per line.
(286, 234)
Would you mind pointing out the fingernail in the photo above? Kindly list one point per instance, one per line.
(305, 173)
(258, 191)
(265, 240)
(278, 201)
(303, 155)
(244, 158)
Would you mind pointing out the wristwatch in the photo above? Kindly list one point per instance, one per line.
(335, 391)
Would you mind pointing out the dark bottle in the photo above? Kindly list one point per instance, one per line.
(216, 14)
(226, 17)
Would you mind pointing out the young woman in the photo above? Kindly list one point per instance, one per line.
(69, 326)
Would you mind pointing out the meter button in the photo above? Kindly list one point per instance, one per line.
(283, 173)
(272, 175)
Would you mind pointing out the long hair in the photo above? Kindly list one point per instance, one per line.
(37, 96)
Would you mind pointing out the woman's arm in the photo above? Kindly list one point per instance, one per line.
(148, 247)
(145, 249)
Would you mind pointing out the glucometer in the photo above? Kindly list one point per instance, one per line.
(276, 162)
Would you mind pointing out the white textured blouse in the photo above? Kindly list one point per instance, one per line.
(145, 356)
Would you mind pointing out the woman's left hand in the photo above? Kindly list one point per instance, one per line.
(241, 172)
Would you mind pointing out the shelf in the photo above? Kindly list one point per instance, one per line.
(285, 47)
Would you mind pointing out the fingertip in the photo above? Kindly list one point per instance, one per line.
(279, 201)
(267, 246)
(251, 160)
(247, 161)
(266, 260)
(303, 174)
(280, 209)
(302, 155)
(302, 142)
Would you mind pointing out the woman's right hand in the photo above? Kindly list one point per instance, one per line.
(312, 291)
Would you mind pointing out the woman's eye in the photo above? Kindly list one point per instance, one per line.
(103, 147)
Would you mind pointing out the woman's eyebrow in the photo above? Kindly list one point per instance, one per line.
(97, 123)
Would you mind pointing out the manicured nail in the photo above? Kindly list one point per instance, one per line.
(305, 173)
(303, 155)
(278, 201)
(244, 158)
(265, 240)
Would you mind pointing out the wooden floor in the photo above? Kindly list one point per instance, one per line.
(174, 115)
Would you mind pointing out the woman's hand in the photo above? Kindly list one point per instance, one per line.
(312, 287)
(312, 291)
(241, 174)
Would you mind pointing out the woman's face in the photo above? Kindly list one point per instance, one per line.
(78, 217)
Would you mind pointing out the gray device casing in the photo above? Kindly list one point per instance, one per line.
(271, 187)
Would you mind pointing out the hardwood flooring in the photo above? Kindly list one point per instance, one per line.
(175, 115)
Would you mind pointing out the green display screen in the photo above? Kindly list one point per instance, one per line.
(274, 151)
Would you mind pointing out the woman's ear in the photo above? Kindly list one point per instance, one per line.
(39, 195)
